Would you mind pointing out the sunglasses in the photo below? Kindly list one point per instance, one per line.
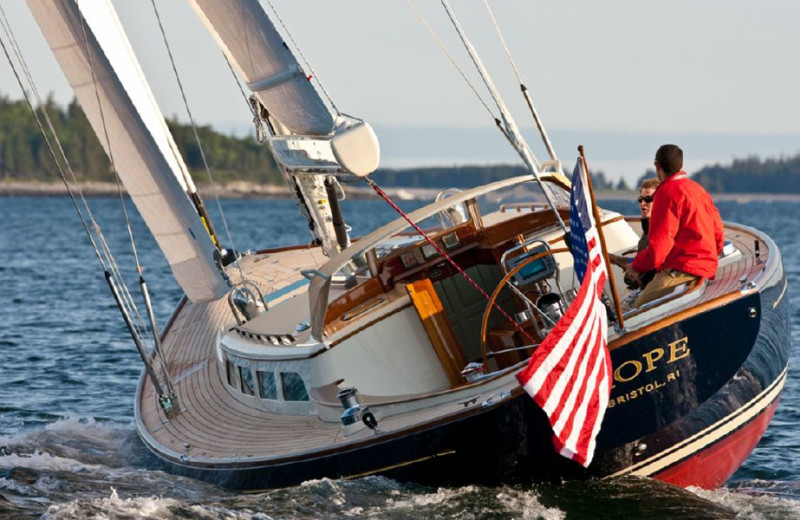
(647, 198)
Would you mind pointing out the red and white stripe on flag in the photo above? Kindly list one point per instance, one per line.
(569, 374)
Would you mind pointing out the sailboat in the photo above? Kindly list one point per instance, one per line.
(378, 355)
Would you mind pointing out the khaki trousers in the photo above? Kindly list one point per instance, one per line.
(663, 284)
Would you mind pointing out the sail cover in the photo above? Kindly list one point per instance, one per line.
(99, 64)
(249, 39)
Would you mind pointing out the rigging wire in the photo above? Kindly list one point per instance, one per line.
(438, 40)
(524, 89)
(478, 65)
(252, 105)
(127, 297)
(98, 238)
(239, 84)
(47, 137)
(111, 270)
(503, 41)
(302, 56)
(513, 135)
(137, 327)
(197, 138)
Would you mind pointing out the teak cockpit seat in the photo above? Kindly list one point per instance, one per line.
(679, 291)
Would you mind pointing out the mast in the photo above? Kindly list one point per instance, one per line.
(96, 57)
(311, 144)
(509, 127)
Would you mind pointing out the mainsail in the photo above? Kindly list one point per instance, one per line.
(96, 57)
(248, 37)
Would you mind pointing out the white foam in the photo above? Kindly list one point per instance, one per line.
(82, 439)
(113, 507)
(44, 461)
(442, 496)
(331, 489)
(144, 507)
(12, 485)
(528, 504)
(752, 505)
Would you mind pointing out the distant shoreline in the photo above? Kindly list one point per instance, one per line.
(246, 190)
(233, 190)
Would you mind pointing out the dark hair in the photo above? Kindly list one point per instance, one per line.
(649, 184)
(670, 157)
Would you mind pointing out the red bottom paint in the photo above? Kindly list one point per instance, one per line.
(711, 467)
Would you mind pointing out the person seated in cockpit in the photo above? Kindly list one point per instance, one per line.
(645, 200)
(686, 234)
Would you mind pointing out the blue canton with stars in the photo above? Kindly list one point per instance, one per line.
(579, 222)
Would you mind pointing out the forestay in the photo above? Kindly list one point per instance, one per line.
(97, 59)
(243, 30)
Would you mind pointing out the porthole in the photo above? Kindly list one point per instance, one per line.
(231, 371)
(294, 389)
(248, 387)
(266, 385)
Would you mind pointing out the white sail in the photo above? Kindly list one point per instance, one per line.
(250, 40)
(99, 64)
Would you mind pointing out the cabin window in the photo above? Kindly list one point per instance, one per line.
(293, 387)
(266, 385)
(248, 387)
(231, 370)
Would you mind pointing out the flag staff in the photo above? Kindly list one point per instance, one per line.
(614, 295)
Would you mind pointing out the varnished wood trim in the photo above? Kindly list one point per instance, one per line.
(353, 298)
(437, 326)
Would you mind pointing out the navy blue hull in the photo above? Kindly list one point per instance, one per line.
(690, 384)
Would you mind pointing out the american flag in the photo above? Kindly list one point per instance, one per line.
(569, 374)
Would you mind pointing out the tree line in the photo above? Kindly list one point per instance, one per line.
(24, 156)
(24, 153)
(468, 177)
(752, 175)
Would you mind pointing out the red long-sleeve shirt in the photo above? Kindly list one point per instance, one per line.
(686, 231)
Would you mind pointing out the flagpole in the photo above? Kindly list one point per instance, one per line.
(602, 240)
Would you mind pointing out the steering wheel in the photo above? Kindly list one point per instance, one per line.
(496, 292)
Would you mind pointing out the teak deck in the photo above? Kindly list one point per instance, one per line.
(215, 427)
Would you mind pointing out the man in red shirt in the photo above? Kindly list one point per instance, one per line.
(686, 234)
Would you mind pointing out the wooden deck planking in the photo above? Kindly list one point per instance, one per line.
(217, 425)
(213, 422)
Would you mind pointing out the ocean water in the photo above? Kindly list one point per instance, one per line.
(68, 448)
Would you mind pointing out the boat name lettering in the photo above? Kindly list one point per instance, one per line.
(644, 389)
(633, 368)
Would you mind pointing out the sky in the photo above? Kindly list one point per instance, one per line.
(719, 78)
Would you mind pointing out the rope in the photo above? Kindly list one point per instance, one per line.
(197, 137)
(302, 56)
(451, 58)
(447, 257)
